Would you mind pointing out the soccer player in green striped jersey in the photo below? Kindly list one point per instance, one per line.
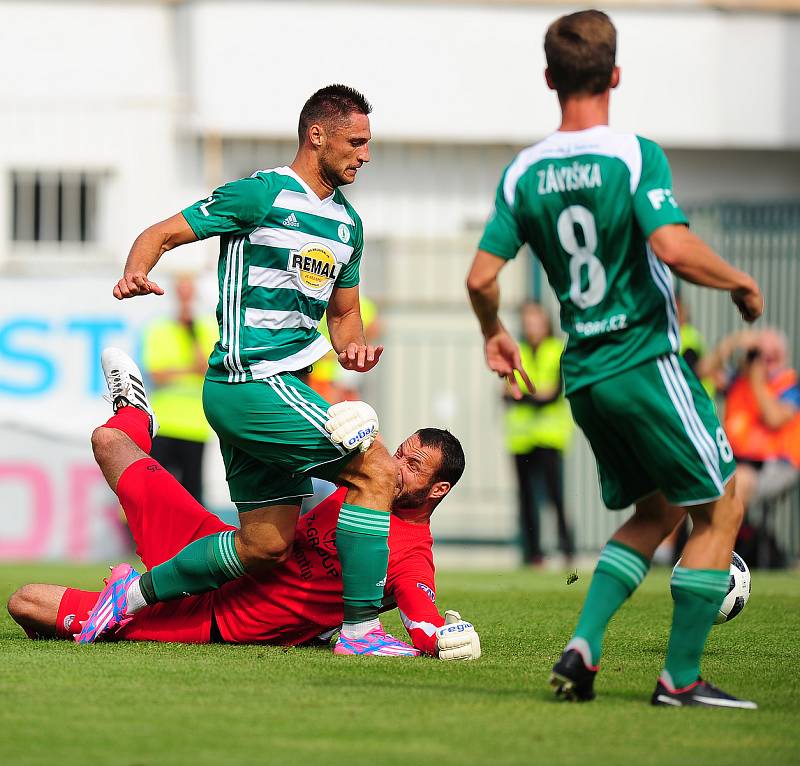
(290, 249)
(596, 207)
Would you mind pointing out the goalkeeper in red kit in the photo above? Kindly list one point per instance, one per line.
(297, 603)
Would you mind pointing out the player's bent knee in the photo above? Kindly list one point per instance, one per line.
(380, 467)
(103, 442)
(15, 603)
(278, 554)
(261, 554)
(23, 603)
(269, 557)
(375, 468)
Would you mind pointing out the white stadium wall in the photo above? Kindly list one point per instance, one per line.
(90, 87)
(132, 91)
(473, 72)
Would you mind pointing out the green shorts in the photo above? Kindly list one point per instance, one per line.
(273, 439)
(653, 428)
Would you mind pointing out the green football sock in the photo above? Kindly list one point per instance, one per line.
(698, 594)
(201, 566)
(362, 536)
(619, 572)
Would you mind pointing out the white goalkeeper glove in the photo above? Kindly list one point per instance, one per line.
(457, 639)
(352, 424)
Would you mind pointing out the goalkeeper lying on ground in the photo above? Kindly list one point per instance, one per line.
(297, 603)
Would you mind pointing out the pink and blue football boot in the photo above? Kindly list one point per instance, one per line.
(377, 643)
(109, 613)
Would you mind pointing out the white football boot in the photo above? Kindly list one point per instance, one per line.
(125, 384)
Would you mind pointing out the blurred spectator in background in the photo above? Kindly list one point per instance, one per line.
(762, 417)
(327, 377)
(175, 354)
(538, 430)
(723, 363)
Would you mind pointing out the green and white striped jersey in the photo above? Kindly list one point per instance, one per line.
(282, 252)
(586, 203)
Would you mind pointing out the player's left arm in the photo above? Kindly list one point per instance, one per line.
(447, 637)
(343, 314)
(693, 260)
(347, 331)
(664, 225)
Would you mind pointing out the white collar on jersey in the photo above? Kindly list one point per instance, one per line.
(308, 190)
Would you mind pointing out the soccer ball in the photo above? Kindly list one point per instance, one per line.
(738, 590)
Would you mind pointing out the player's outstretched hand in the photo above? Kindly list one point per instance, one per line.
(749, 301)
(457, 639)
(352, 424)
(503, 357)
(361, 358)
(135, 283)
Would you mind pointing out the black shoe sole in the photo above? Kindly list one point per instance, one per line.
(665, 700)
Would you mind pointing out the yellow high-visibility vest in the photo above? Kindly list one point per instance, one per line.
(692, 340)
(550, 425)
(167, 344)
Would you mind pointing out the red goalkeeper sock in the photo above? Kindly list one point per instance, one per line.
(135, 424)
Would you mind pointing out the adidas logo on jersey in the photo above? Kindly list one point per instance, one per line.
(291, 220)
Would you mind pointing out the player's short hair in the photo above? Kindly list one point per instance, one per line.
(331, 105)
(580, 49)
(451, 466)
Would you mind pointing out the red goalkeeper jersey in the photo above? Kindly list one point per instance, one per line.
(301, 600)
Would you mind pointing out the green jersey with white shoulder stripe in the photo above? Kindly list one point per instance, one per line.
(586, 202)
(282, 252)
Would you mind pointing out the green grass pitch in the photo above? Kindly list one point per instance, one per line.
(155, 705)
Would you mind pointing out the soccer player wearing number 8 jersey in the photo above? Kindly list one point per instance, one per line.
(596, 207)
